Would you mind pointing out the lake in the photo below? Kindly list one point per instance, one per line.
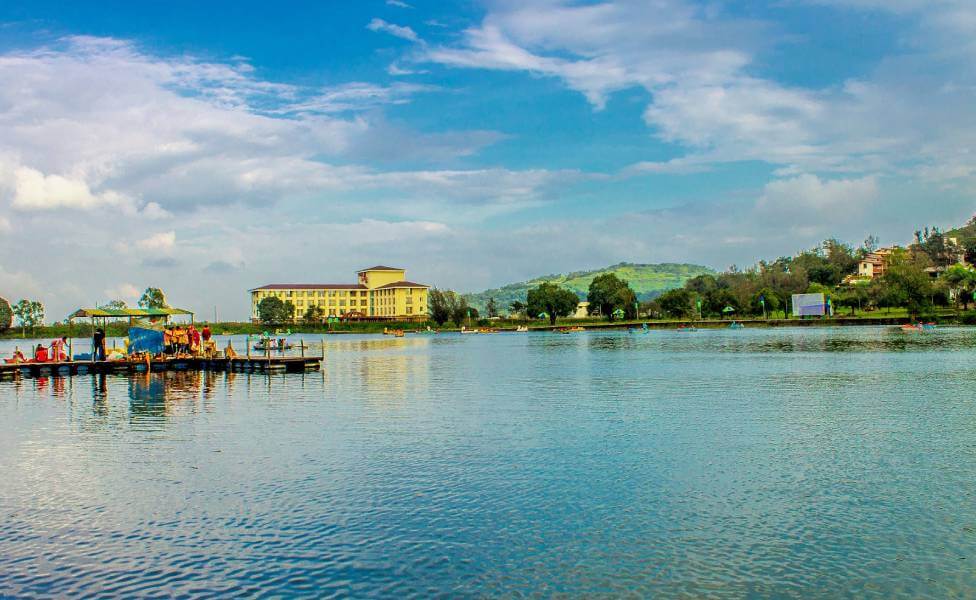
(807, 462)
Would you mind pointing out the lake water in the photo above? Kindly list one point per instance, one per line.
(763, 463)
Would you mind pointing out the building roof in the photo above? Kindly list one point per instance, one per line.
(378, 268)
(402, 284)
(83, 313)
(311, 286)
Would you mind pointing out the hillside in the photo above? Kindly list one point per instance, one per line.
(648, 281)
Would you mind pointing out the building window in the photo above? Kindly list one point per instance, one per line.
(409, 310)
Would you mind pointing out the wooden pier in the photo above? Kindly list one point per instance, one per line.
(288, 364)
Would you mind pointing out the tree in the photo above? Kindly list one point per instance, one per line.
(517, 308)
(153, 298)
(608, 293)
(716, 300)
(553, 300)
(767, 297)
(6, 315)
(115, 304)
(962, 280)
(907, 283)
(273, 310)
(457, 307)
(869, 245)
(29, 313)
(678, 303)
(491, 308)
(439, 310)
(313, 314)
(934, 244)
(853, 296)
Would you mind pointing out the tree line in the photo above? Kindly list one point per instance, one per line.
(925, 275)
(29, 314)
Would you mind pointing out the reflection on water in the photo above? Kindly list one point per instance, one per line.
(785, 463)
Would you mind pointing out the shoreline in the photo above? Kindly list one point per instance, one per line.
(79, 331)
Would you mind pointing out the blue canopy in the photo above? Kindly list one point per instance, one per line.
(145, 340)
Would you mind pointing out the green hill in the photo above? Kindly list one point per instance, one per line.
(648, 281)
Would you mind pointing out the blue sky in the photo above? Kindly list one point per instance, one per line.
(212, 147)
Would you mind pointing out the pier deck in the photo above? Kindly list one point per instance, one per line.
(291, 364)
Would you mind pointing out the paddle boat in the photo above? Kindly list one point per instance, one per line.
(687, 328)
(574, 329)
(736, 325)
(279, 345)
(522, 329)
(917, 327)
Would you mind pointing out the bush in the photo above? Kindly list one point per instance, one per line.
(6, 315)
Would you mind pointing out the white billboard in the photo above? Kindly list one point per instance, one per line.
(809, 304)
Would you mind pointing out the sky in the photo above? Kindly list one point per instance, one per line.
(210, 148)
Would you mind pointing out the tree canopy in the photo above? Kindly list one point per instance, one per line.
(6, 315)
(553, 300)
(153, 298)
(608, 293)
(273, 310)
(29, 313)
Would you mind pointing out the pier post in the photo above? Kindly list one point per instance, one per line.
(249, 346)
(302, 342)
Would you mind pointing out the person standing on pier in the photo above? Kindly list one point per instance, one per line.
(98, 345)
(58, 352)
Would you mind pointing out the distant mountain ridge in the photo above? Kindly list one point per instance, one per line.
(647, 280)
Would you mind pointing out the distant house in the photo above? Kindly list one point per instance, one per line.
(873, 265)
(582, 310)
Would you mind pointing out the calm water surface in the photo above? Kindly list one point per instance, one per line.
(788, 462)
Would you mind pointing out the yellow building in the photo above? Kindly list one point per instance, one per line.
(383, 293)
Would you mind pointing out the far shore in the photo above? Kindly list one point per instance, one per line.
(82, 330)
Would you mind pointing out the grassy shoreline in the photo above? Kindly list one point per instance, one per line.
(81, 331)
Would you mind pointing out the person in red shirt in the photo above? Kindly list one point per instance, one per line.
(194, 339)
(40, 354)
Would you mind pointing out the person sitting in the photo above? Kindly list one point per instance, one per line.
(229, 351)
(17, 358)
(40, 354)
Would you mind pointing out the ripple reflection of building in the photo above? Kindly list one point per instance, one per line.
(384, 369)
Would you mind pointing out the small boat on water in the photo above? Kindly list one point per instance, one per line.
(574, 329)
(522, 329)
(736, 325)
(393, 332)
(914, 327)
(487, 330)
(275, 346)
(466, 330)
(687, 328)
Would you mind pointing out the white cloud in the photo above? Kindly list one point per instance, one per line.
(163, 242)
(398, 4)
(808, 199)
(701, 67)
(123, 291)
(399, 31)
(34, 190)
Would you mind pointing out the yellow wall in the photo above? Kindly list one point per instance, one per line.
(332, 302)
(375, 279)
(397, 302)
